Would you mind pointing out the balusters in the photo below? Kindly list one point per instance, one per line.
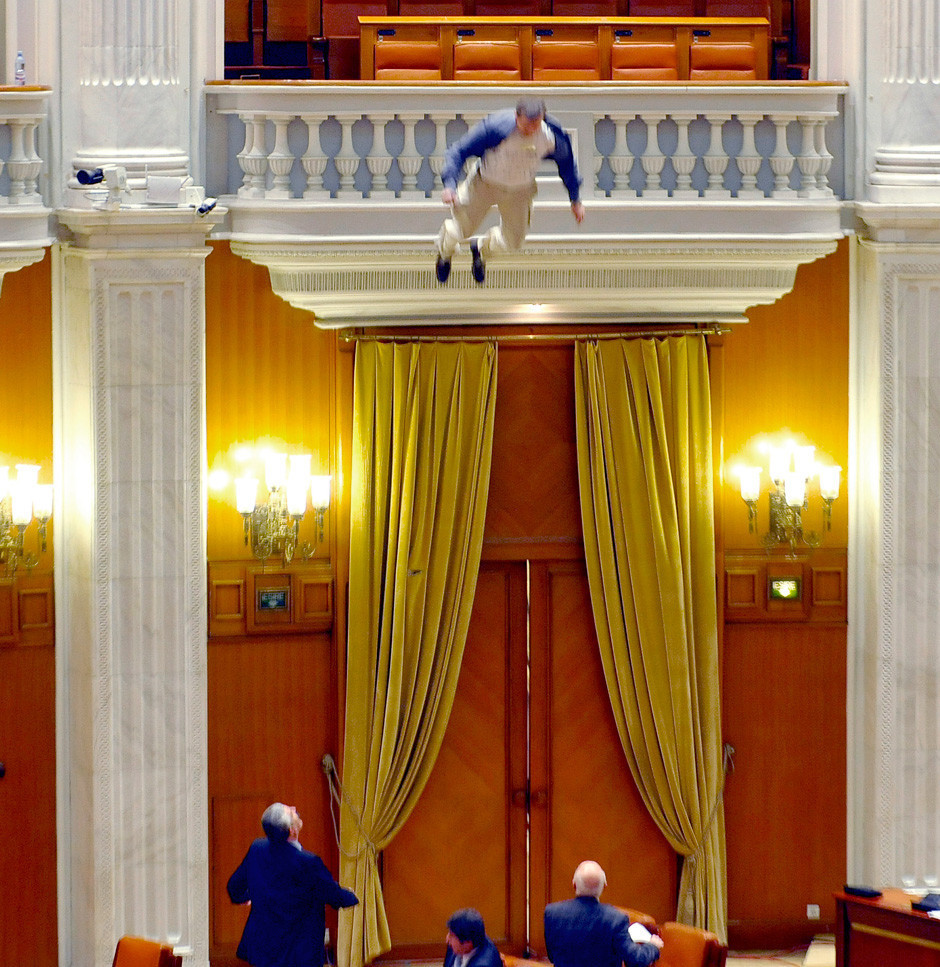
(782, 161)
(809, 160)
(683, 161)
(653, 160)
(314, 159)
(621, 161)
(698, 134)
(410, 160)
(825, 159)
(24, 164)
(281, 159)
(749, 160)
(253, 157)
(346, 160)
(379, 161)
(716, 158)
(436, 161)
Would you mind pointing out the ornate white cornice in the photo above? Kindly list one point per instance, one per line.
(639, 281)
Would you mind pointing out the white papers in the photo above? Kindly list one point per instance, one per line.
(639, 933)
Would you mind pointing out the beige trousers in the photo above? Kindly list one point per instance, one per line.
(474, 200)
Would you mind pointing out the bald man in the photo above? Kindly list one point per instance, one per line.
(584, 932)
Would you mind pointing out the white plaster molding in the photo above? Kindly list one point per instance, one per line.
(632, 282)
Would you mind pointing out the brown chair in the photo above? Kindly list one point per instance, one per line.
(487, 60)
(723, 62)
(138, 952)
(408, 60)
(685, 946)
(565, 60)
(644, 62)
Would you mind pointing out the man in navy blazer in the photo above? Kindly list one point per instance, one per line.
(467, 942)
(287, 887)
(584, 932)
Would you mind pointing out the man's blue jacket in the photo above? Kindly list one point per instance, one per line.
(287, 888)
(493, 130)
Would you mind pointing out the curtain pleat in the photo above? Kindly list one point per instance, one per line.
(422, 446)
(645, 473)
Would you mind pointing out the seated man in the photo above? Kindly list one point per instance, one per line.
(467, 942)
(584, 932)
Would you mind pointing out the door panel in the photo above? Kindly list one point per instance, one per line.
(464, 843)
(27, 806)
(585, 802)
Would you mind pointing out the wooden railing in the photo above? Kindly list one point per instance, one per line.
(564, 48)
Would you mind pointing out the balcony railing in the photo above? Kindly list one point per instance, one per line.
(22, 111)
(740, 142)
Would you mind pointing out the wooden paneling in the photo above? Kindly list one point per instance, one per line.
(787, 370)
(585, 801)
(533, 508)
(269, 377)
(271, 720)
(27, 659)
(464, 844)
(785, 800)
(27, 807)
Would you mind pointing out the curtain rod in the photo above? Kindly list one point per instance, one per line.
(349, 335)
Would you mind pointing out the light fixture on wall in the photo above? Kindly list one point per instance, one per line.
(790, 467)
(272, 526)
(22, 500)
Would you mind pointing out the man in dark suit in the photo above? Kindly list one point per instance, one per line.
(467, 942)
(287, 887)
(584, 932)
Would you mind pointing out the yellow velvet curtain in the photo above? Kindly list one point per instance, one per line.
(422, 446)
(645, 472)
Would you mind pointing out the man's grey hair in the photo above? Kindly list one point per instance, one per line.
(589, 879)
(276, 820)
(530, 107)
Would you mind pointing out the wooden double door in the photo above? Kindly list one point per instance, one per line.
(531, 778)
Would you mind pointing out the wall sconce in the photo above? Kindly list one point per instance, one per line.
(790, 467)
(22, 500)
(273, 526)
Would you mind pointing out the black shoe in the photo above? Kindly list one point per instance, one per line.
(478, 268)
(443, 269)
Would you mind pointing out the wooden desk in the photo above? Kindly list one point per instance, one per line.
(687, 36)
(885, 932)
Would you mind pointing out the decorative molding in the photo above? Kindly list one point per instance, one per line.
(635, 282)
(823, 577)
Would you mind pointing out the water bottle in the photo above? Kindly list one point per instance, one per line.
(19, 71)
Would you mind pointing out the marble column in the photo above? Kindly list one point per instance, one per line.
(903, 110)
(894, 663)
(131, 582)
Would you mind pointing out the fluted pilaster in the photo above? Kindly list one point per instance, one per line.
(131, 610)
(894, 669)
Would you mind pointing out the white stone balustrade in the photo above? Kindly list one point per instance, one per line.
(22, 112)
(775, 141)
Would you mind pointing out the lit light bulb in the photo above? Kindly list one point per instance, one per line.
(246, 494)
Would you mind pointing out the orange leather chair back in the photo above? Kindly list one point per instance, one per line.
(565, 60)
(644, 62)
(487, 60)
(685, 946)
(408, 60)
(138, 952)
(723, 62)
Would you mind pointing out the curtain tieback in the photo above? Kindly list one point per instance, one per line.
(727, 765)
